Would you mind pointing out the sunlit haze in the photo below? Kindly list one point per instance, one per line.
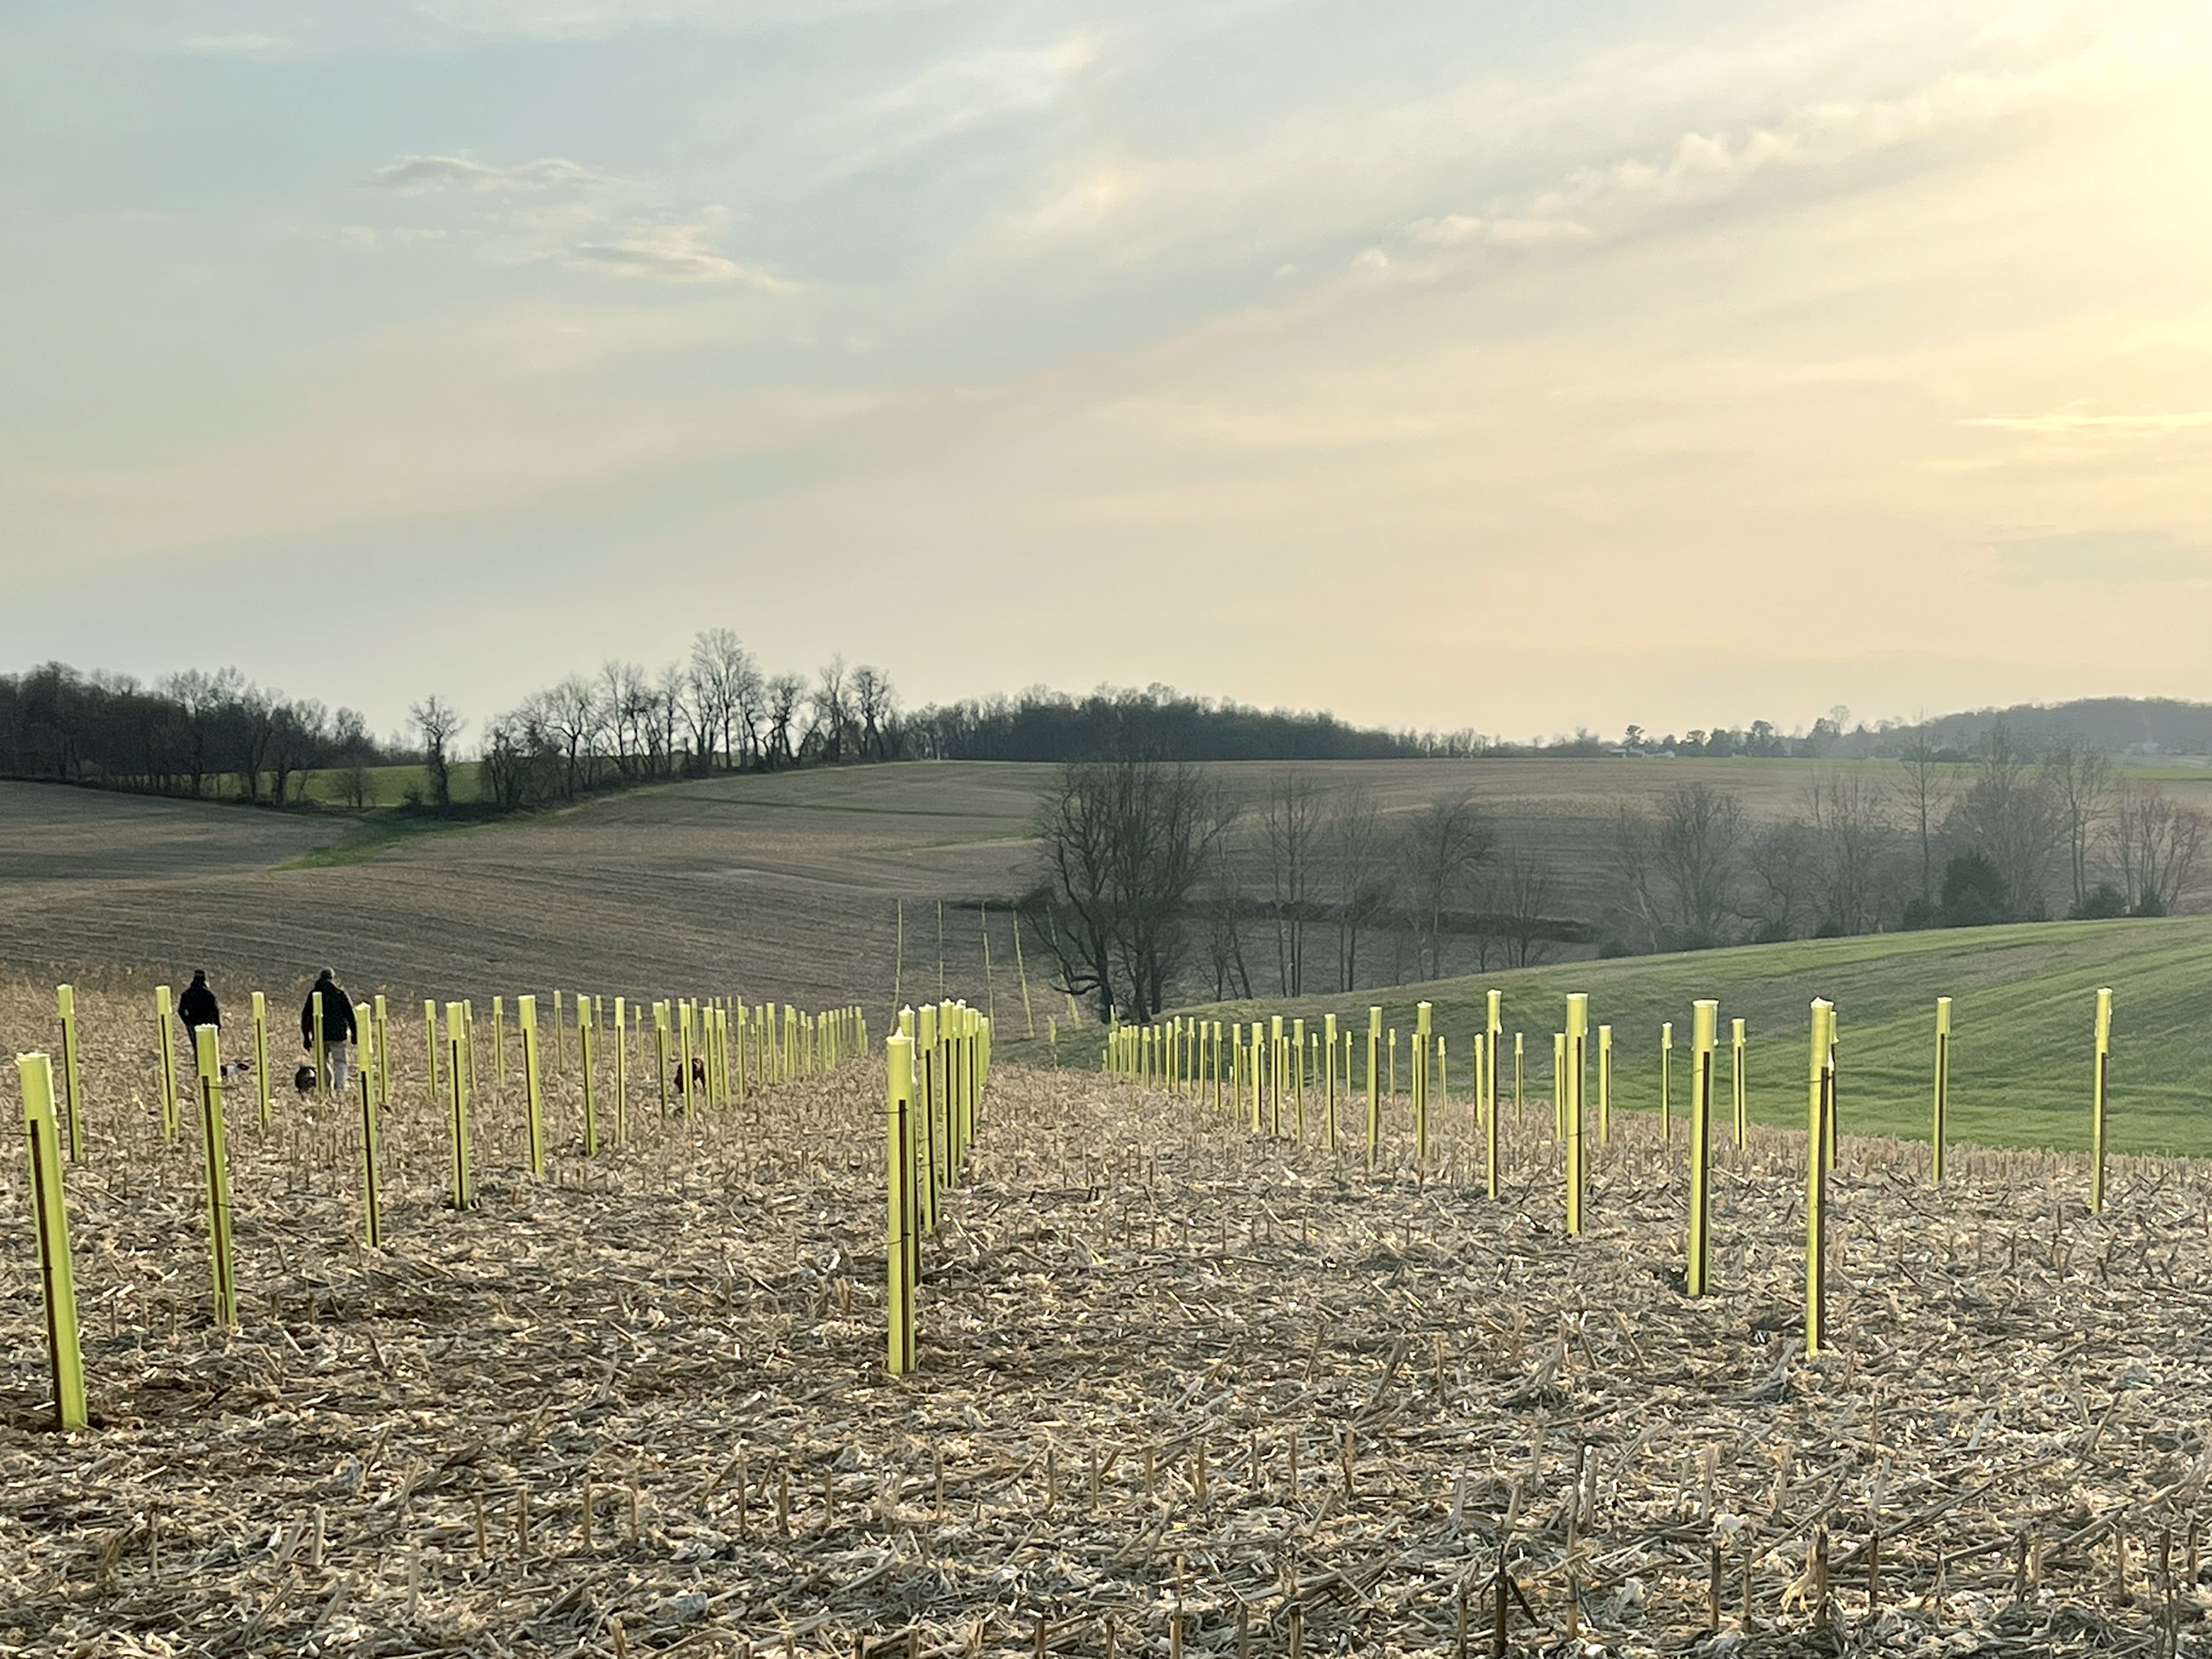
(1507, 367)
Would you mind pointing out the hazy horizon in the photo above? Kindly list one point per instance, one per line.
(1520, 371)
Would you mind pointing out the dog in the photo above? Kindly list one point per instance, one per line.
(698, 1076)
(303, 1079)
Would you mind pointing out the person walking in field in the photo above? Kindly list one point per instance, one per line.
(337, 1026)
(197, 1007)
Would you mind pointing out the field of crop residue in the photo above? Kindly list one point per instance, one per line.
(782, 886)
(1182, 1388)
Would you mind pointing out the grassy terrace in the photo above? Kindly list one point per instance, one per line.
(2021, 1048)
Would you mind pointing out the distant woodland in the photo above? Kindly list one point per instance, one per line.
(193, 734)
(1159, 879)
(217, 736)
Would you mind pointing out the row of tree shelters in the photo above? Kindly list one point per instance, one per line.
(937, 1066)
(710, 1053)
(1262, 1073)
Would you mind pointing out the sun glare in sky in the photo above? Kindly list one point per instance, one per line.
(1513, 368)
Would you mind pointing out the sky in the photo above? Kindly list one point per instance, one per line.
(1517, 366)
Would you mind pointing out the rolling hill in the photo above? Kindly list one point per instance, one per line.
(2023, 1007)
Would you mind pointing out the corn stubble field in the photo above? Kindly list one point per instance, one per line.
(1181, 1387)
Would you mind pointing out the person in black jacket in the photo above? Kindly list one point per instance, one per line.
(337, 1026)
(197, 1007)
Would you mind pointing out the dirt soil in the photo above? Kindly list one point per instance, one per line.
(1177, 1383)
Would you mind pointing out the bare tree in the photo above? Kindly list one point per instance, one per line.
(202, 699)
(1525, 893)
(624, 696)
(2080, 780)
(875, 705)
(830, 703)
(1445, 845)
(1290, 838)
(1854, 840)
(724, 678)
(2009, 815)
(503, 774)
(784, 695)
(1223, 906)
(301, 733)
(438, 723)
(354, 786)
(577, 718)
(1785, 867)
(1125, 844)
(1696, 848)
(666, 699)
(1924, 790)
(702, 718)
(752, 712)
(252, 725)
(2158, 844)
(1360, 866)
(1635, 856)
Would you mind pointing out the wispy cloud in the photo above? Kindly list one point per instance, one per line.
(671, 253)
(2101, 557)
(1457, 230)
(416, 172)
(944, 99)
(1705, 168)
(280, 31)
(2070, 421)
(263, 47)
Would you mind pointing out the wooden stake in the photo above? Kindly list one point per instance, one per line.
(1501, 1610)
